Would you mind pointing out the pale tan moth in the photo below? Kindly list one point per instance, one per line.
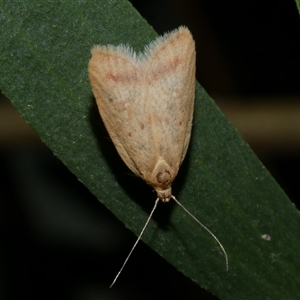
(146, 102)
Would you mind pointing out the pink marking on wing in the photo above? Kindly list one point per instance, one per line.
(165, 69)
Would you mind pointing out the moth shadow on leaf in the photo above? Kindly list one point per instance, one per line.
(136, 189)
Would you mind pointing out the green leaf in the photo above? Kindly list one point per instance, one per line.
(45, 49)
(298, 4)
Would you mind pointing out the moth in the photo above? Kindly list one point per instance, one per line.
(146, 102)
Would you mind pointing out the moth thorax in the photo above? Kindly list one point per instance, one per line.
(161, 179)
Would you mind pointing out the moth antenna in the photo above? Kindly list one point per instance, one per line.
(204, 227)
(149, 218)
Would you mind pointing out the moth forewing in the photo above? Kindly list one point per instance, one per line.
(172, 93)
(118, 85)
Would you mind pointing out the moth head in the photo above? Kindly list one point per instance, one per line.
(161, 180)
(164, 195)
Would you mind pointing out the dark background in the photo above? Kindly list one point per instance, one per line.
(57, 240)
